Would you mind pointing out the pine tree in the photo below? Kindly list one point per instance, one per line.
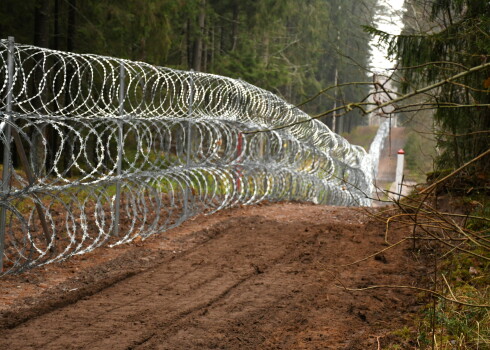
(459, 41)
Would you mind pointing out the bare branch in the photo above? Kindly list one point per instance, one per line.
(418, 289)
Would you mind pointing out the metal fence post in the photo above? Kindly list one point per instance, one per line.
(6, 147)
(267, 183)
(239, 151)
(189, 139)
(117, 204)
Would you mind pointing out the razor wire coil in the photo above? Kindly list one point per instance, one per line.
(120, 149)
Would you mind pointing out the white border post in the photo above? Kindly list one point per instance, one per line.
(6, 147)
(400, 159)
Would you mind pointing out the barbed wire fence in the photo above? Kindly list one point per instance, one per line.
(100, 150)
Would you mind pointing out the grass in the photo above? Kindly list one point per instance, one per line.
(468, 280)
(458, 326)
(362, 136)
(461, 276)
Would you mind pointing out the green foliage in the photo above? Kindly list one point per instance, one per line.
(460, 320)
(288, 46)
(458, 41)
(404, 333)
(362, 136)
(420, 154)
(140, 30)
(481, 205)
(459, 326)
(293, 48)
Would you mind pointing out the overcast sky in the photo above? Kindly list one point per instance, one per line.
(388, 20)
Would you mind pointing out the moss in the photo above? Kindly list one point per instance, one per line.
(405, 333)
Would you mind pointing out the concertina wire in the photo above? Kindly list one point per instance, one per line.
(103, 150)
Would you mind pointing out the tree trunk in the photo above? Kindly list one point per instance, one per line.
(198, 44)
(72, 25)
(265, 58)
(213, 49)
(38, 134)
(234, 29)
(222, 40)
(70, 146)
(41, 23)
(205, 51)
(51, 134)
(189, 44)
(56, 17)
(184, 61)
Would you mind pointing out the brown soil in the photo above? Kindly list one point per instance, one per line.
(261, 277)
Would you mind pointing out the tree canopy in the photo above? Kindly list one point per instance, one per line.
(293, 48)
(450, 38)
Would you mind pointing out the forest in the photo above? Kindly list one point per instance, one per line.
(292, 48)
(443, 40)
(302, 50)
(443, 66)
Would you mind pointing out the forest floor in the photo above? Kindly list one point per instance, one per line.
(271, 276)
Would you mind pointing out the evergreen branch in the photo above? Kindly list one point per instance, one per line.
(454, 135)
(430, 64)
(321, 92)
(385, 36)
(351, 106)
(432, 105)
(435, 85)
(430, 108)
(431, 187)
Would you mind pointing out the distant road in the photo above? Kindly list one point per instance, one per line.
(387, 162)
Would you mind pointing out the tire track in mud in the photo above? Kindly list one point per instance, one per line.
(179, 284)
(100, 277)
(258, 281)
(172, 327)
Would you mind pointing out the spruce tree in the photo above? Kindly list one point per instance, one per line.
(459, 40)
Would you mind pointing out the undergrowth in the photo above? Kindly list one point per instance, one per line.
(362, 136)
(456, 246)
(453, 325)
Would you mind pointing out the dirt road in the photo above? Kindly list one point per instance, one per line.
(263, 277)
(388, 157)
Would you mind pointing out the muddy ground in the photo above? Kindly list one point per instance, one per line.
(261, 277)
